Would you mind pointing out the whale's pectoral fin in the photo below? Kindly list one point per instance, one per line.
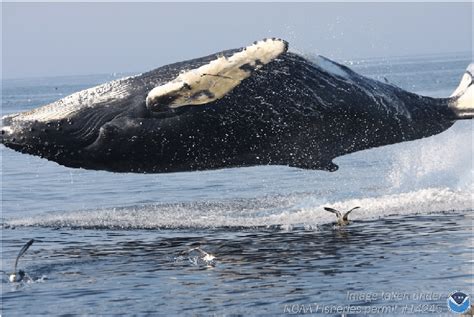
(214, 80)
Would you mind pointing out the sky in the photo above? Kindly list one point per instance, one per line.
(54, 39)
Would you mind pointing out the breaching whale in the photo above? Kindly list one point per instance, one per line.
(260, 105)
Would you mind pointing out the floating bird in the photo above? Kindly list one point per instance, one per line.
(205, 256)
(342, 220)
(18, 276)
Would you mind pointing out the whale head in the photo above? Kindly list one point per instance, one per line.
(60, 131)
(51, 139)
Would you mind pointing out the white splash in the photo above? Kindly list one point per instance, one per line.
(309, 213)
(444, 160)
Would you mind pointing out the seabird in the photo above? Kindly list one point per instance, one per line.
(342, 220)
(18, 276)
(206, 257)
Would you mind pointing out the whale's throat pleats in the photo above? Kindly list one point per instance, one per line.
(214, 80)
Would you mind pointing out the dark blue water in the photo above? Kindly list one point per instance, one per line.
(123, 243)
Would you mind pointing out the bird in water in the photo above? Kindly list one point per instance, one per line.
(18, 276)
(207, 258)
(342, 219)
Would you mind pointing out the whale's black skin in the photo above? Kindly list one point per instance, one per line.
(290, 112)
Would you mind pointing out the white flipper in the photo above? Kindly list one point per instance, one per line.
(215, 79)
(463, 105)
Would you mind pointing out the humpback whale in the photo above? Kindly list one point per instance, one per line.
(258, 105)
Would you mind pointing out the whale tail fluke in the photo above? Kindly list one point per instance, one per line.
(463, 96)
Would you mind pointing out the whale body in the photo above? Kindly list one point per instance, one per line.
(260, 105)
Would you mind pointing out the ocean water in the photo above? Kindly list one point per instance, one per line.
(112, 244)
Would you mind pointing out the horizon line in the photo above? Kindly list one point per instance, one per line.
(337, 59)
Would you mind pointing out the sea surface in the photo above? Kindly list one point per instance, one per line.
(128, 244)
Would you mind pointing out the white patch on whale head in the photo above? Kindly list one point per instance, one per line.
(215, 79)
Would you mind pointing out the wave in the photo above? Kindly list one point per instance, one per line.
(269, 211)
